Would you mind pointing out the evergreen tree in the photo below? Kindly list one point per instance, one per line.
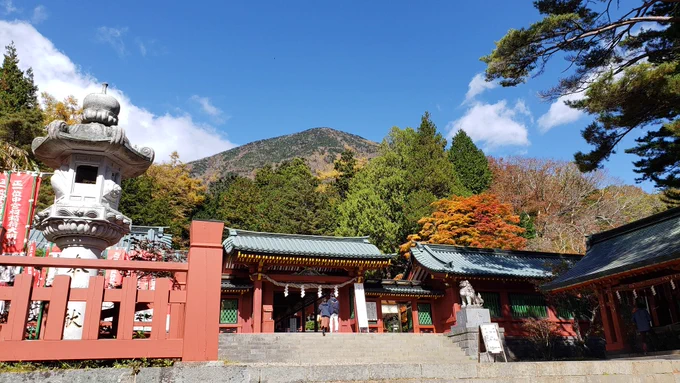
(20, 114)
(396, 189)
(212, 207)
(427, 165)
(291, 200)
(626, 64)
(470, 163)
(346, 168)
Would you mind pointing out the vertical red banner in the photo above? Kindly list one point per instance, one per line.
(17, 208)
(113, 277)
(30, 252)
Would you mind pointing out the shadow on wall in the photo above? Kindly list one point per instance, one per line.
(522, 349)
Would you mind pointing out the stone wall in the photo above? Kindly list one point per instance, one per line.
(468, 339)
(521, 349)
(216, 372)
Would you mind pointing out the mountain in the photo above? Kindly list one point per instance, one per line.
(320, 147)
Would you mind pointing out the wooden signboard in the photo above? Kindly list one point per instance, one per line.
(360, 300)
(492, 340)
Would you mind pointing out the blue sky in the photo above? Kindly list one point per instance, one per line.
(200, 77)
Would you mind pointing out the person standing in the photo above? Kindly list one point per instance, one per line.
(642, 321)
(335, 310)
(325, 312)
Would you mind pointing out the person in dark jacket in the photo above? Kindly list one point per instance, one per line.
(643, 324)
(335, 310)
(325, 312)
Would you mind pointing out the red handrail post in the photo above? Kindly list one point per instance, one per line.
(201, 326)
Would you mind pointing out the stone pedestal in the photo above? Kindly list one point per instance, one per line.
(80, 278)
(469, 317)
(469, 339)
(465, 333)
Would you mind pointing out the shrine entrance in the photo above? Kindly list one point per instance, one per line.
(294, 313)
(397, 316)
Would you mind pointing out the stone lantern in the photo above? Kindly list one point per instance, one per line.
(89, 160)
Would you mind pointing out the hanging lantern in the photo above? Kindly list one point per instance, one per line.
(634, 294)
(618, 295)
(335, 292)
(672, 284)
(285, 291)
(653, 291)
(302, 291)
(320, 293)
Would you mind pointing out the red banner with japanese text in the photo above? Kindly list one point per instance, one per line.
(18, 205)
(114, 277)
(30, 252)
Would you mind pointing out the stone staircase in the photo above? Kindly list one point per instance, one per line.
(335, 349)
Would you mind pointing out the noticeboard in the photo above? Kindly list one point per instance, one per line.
(491, 337)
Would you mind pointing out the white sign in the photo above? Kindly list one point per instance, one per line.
(492, 340)
(371, 311)
(360, 300)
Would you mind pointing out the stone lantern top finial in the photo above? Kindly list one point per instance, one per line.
(101, 108)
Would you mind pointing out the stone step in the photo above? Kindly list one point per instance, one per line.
(306, 348)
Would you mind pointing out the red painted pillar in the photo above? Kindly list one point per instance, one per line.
(246, 313)
(616, 319)
(202, 323)
(257, 306)
(414, 316)
(267, 307)
(344, 309)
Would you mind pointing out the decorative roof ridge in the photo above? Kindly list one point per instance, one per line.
(237, 232)
(634, 226)
(517, 253)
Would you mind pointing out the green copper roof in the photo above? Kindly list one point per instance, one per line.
(302, 245)
(228, 284)
(487, 262)
(392, 287)
(649, 241)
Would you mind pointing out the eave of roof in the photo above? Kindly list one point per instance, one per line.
(314, 246)
(482, 262)
(649, 243)
(400, 288)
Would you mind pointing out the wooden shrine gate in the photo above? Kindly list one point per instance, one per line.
(192, 334)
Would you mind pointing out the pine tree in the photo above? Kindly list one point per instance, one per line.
(20, 114)
(627, 64)
(346, 168)
(426, 163)
(470, 163)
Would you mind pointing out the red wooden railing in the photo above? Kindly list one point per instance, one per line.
(193, 330)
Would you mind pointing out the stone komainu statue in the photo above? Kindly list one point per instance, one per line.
(468, 296)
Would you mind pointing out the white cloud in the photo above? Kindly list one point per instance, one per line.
(560, 113)
(113, 37)
(56, 74)
(211, 110)
(477, 85)
(39, 14)
(494, 125)
(142, 47)
(8, 6)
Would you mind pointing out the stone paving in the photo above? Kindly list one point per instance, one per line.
(638, 371)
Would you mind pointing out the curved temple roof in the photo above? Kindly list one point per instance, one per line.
(488, 262)
(302, 245)
(646, 242)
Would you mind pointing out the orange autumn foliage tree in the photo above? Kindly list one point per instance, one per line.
(475, 221)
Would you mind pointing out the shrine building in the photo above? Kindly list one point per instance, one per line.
(274, 283)
(634, 263)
